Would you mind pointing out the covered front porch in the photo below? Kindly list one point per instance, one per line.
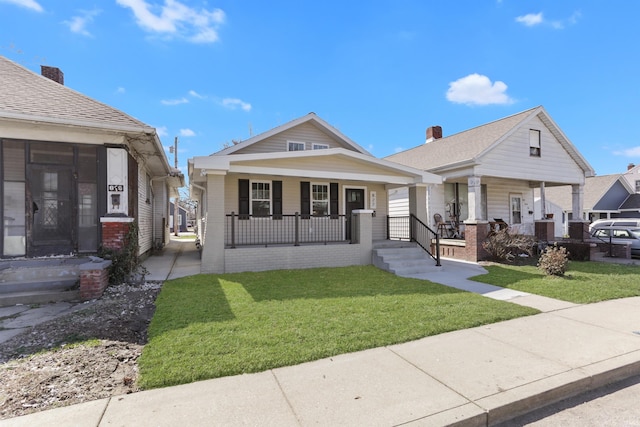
(296, 209)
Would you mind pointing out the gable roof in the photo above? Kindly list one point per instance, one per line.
(631, 203)
(595, 188)
(469, 146)
(311, 118)
(30, 96)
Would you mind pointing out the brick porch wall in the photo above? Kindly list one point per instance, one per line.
(114, 231)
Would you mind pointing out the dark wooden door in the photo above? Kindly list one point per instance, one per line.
(355, 200)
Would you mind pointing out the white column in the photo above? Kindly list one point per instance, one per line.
(577, 201)
(543, 202)
(475, 198)
(213, 249)
(117, 181)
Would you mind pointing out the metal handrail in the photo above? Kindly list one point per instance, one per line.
(411, 228)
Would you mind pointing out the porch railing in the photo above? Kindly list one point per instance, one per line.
(412, 229)
(296, 229)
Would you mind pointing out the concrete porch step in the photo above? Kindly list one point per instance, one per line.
(405, 260)
(38, 285)
(38, 297)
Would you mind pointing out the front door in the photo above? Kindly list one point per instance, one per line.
(355, 200)
(50, 201)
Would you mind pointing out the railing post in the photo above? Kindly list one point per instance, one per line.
(388, 228)
(411, 226)
(233, 230)
(437, 250)
(297, 230)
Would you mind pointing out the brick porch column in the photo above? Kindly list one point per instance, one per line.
(114, 231)
(545, 230)
(475, 232)
(579, 230)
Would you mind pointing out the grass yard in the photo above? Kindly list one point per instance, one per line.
(584, 282)
(209, 326)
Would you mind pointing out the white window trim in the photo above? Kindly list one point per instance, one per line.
(317, 146)
(311, 199)
(304, 145)
(535, 142)
(264, 181)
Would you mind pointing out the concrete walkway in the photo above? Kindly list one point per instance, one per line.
(473, 377)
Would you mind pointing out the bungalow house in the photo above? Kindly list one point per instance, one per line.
(490, 173)
(603, 198)
(76, 173)
(297, 196)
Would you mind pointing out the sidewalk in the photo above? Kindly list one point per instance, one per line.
(473, 377)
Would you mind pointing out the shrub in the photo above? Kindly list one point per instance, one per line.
(554, 260)
(503, 246)
(125, 263)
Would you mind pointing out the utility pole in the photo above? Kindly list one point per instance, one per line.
(176, 206)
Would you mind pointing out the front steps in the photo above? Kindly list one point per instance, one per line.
(405, 259)
(39, 281)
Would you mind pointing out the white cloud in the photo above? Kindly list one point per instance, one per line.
(533, 19)
(233, 103)
(121, 90)
(29, 4)
(530, 19)
(187, 132)
(196, 94)
(78, 24)
(178, 101)
(629, 152)
(476, 89)
(398, 149)
(176, 19)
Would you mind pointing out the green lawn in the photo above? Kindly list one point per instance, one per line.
(584, 282)
(209, 326)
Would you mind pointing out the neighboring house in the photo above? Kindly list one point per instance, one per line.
(604, 196)
(182, 218)
(490, 173)
(297, 196)
(76, 172)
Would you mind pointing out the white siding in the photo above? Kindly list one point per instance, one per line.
(306, 132)
(399, 201)
(145, 213)
(160, 211)
(511, 158)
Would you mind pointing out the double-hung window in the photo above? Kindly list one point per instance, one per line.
(320, 199)
(260, 198)
(534, 143)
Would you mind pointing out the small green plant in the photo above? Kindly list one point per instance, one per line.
(503, 246)
(125, 263)
(554, 260)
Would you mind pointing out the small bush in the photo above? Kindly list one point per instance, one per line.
(503, 246)
(554, 260)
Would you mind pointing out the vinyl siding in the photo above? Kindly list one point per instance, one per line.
(305, 132)
(145, 213)
(511, 158)
(160, 211)
(323, 163)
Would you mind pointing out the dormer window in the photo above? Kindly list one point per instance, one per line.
(295, 146)
(534, 143)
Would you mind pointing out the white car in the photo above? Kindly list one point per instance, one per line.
(618, 234)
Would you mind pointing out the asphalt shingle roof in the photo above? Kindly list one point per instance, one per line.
(27, 95)
(460, 147)
(595, 188)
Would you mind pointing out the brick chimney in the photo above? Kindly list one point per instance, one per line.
(630, 166)
(52, 73)
(433, 132)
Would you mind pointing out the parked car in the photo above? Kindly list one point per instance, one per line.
(619, 234)
(618, 222)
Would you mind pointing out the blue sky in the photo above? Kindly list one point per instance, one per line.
(211, 72)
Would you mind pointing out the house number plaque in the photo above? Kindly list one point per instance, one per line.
(119, 188)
